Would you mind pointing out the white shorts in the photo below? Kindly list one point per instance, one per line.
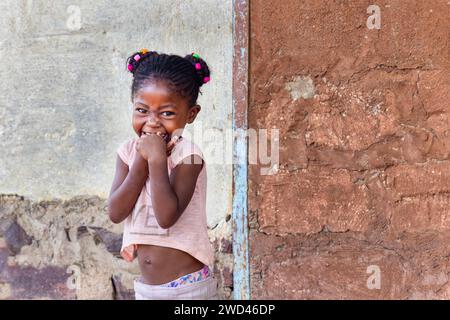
(205, 289)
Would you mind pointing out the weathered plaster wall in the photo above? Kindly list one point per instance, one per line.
(363, 182)
(64, 110)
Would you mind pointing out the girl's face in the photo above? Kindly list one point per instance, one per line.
(157, 109)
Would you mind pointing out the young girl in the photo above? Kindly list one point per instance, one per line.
(159, 187)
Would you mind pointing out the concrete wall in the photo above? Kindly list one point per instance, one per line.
(64, 109)
(359, 206)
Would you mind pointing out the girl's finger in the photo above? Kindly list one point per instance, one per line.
(172, 142)
(174, 139)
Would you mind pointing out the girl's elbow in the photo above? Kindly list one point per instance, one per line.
(114, 216)
(166, 223)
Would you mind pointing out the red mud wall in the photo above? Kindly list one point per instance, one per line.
(360, 205)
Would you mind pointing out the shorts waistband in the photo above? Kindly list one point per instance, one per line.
(195, 276)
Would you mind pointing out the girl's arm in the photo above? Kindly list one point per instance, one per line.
(171, 195)
(126, 187)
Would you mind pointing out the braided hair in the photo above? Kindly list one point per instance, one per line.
(183, 75)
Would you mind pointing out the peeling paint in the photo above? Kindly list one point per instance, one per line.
(241, 271)
(301, 87)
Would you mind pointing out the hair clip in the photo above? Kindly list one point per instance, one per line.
(143, 51)
(137, 57)
(198, 66)
(206, 79)
(130, 67)
(195, 55)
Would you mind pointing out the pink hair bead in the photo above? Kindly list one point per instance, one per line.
(137, 57)
(206, 79)
(130, 67)
(198, 66)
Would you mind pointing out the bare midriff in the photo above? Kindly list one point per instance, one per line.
(160, 265)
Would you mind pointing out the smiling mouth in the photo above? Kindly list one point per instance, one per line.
(165, 136)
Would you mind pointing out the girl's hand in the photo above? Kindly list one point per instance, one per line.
(171, 144)
(152, 147)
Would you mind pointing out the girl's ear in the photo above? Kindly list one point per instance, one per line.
(193, 112)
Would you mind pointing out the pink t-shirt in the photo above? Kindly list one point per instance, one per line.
(189, 233)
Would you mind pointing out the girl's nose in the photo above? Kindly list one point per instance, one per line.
(153, 121)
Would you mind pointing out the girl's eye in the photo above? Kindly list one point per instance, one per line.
(140, 110)
(167, 113)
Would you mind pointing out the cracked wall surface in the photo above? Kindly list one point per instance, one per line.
(54, 249)
(364, 170)
(65, 109)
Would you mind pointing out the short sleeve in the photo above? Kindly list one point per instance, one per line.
(183, 150)
(124, 151)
